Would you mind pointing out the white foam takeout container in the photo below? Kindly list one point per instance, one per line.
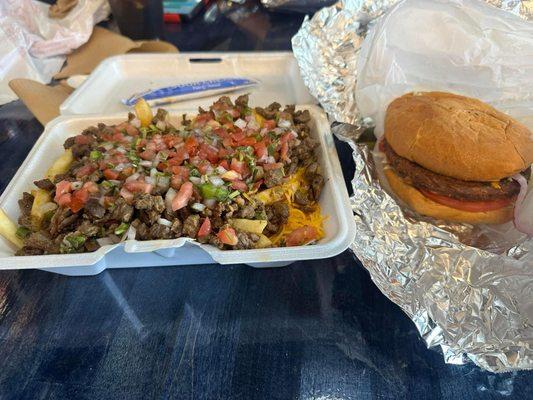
(339, 225)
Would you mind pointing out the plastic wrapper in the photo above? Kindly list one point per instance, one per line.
(467, 289)
(34, 46)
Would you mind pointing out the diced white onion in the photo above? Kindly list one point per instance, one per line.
(252, 124)
(195, 180)
(169, 196)
(161, 125)
(114, 182)
(128, 138)
(163, 182)
(156, 160)
(145, 163)
(210, 202)
(198, 207)
(209, 170)
(121, 149)
(133, 177)
(294, 134)
(270, 160)
(105, 241)
(216, 180)
(120, 167)
(49, 206)
(107, 145)
(135, 122)
(523, 210)
(283, 123)
(76, 185)
(163, 221)
(240, 123)
(132, 232)
(149, 180)
(220, 170)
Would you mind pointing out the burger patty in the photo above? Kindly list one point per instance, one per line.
(422, 178)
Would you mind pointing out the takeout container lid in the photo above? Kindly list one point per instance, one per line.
(123, 75)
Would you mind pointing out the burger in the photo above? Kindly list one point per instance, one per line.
(453, 157)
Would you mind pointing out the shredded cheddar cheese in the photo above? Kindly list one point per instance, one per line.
(297, 217)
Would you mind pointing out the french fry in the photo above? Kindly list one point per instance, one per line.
(143, 112)
(263, 242)
(40, 198)
(269, 196)
(9, 230)
(248, 225)
(61, 165)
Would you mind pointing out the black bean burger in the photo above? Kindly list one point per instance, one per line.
(452, 157)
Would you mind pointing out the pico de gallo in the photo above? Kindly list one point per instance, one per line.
(232, 176)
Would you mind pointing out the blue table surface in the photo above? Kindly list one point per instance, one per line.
(314, 330)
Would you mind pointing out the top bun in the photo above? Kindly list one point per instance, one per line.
(457, 136)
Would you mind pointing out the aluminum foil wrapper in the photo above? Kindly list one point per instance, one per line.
(468, 290)
(327, 47)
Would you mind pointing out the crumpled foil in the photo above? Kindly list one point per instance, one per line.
(472, 298)
(297, 6)
(327, 47)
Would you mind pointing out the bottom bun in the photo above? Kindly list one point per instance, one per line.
(425, 206)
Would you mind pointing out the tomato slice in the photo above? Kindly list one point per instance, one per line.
(205, 228)
(463, 205)
(228, 236)
(110, 174)
(301, 236)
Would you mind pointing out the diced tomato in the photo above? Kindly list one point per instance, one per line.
(79, 198)
(229, 126)
(171, 140)
(471, 206)
(269, 124)
(138, 187)
(224, 164)
(118, 137)
(223, 153)
(286, 137)
(210, 152)
(228, 142)
(151, 146)
(62, 188)
(64, 200)
(147, 155)
(128, 128)
(126, 172)
(228, 236)
(234, 113)
(260, 149)
(111, 174)
(191, 144)
(203, 167)
(182, 197)
(91, 187)
(239, 185)
(87, 169)
(284, 151)
(176, 181)
(268, 167)
(181, 171)
(238, 135)
(141, 144)
(247, 141)
(237, 166)
(83, 139)
(301, 236)
(205, 228)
